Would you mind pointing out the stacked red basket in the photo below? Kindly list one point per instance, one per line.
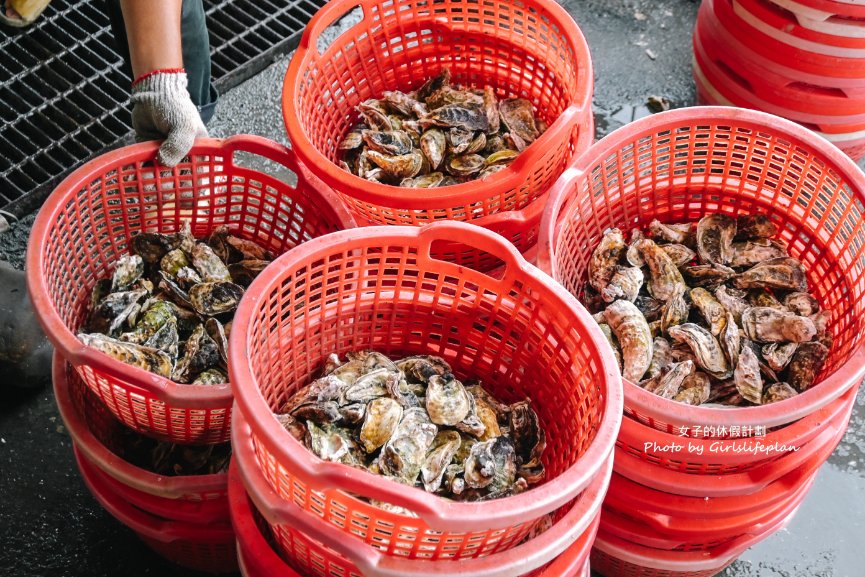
(82, 229)
(680, 504)
(532, 49)
(544, 347)
(801, 60)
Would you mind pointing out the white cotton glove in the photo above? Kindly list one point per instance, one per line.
(161, 109)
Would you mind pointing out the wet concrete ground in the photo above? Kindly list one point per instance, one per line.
(49, 524)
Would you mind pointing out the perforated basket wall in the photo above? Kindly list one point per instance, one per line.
(86, 225)
(379, 288)
(526, 48)
(680, 165)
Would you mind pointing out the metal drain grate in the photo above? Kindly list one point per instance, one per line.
(63, 98)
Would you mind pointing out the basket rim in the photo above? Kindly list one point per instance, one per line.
(625, 492)
(837, 134)
(146, 524)
(435, 511)
(463, 194)
(845, 377)
(833, 7)
(578, 524)
(733, 484)
(252, 545)
(686, 530)
(113, 465)
(64, 340)
(803, 60)
(780, 21)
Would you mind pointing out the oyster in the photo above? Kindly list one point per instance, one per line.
(128, 269)
(209, 266)
(778, 355)
(662, 357)
(214, 298)
(778, 273)
(806, 364)
(528, 437)
(382, 416)
(730, 340)
(200, 353)
(602, 265)
(778, 392)
(675, 310)
(675, 233)
(733, 301)
(705, 347)
(443, 451)
(802, 304)
(404, 453)
(149, 359)
(210, 377)
(446, 400)
(665, 277)
(668, 384)
(434, 146)
(625, 283)
(766, 325)
(466, 165)
(755, 226)
(518, 117)
(747, 376)
(715, 234)
(391, 142)
(397, 167)
(695, 389)
(649, 306)
(752, 252)
(708, 275)
(632, 331)
(711, 309)
(680, 254)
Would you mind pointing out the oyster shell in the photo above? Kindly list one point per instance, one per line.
(778, 392)
(149, 359)
(444, 449)
(517, 115)
(602, 265)
(802, 304)
(632, 331)
(711, 309)
(707, 351)
(752, 252)
(662, 357)
(695, 389)
(665, 277)
(777, 273)
(675, 310)
(715, 234)
(806, 364)
(778, 355)
(766, 325)
(625, 283)
(680, 254)
(380, 421)
(668, 384)
(755, 226)
(747, 376)
(214, 298)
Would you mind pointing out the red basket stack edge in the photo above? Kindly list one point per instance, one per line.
(83, 228)
(801, 60)
(529, 48)
(689, 511)
(383, 288)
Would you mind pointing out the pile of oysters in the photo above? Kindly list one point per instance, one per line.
(411, 420)
(438, 135)
(714, 313)
(168, 306)
(172, 460)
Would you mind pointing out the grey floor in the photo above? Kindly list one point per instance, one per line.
(50, 526)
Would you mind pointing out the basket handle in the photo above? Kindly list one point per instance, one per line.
(373, 563)
(328, 15)
(549, 221)
(475, 237)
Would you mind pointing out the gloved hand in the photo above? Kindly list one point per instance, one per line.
(162, 108)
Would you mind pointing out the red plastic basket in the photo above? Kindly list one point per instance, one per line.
(95, 433)
(256, 557)
(530, 48)
(201, 547)
(679, 165)
(698, 534)
(714, 455)
(379, 287)
(850, 139)
(832, 15)
(827, 100)
(786, 59)
(316, 547)
(86, 224)
(784, 24)
(615, 557)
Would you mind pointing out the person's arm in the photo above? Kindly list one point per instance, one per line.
(162, 107)
(153, 30)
